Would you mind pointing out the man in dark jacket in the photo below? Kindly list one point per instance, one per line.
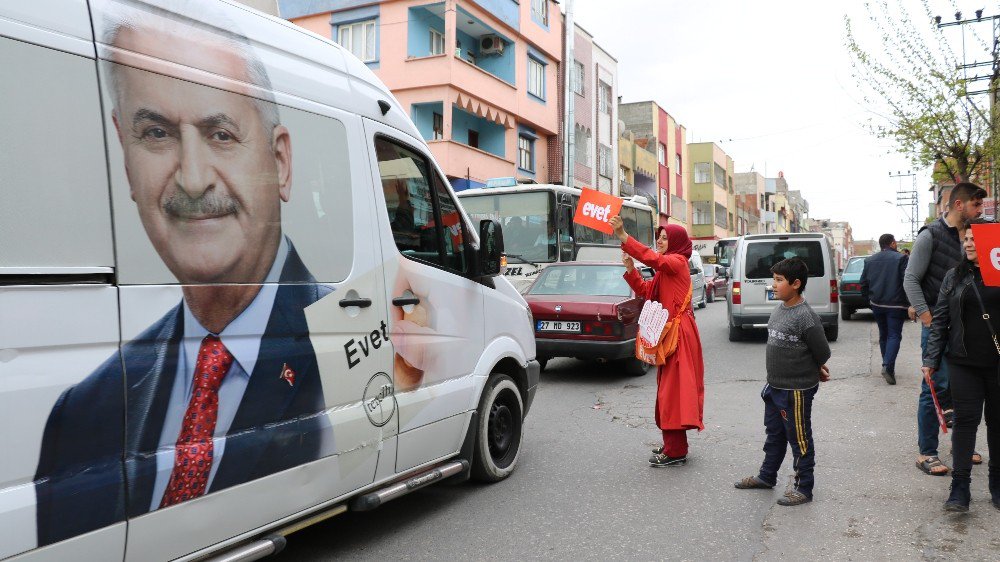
(936, 250)
(882, 282)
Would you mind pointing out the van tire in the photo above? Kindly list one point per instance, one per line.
(711, 295)
(845, 313)
(735, 333)
(832, 332)
(499, 428)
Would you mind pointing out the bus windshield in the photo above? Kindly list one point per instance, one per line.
(724, 250)
(529, 230)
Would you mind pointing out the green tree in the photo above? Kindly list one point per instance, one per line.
(912, 83)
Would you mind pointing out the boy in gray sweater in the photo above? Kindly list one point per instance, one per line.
(797, 352)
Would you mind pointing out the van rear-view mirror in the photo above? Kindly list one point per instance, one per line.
(490, 248)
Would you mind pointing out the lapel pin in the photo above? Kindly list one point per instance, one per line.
(287, 374)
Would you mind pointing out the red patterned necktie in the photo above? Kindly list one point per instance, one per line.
(193, 452)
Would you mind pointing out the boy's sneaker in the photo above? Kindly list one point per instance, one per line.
(794, 497)
(753, 483)
(664, 460)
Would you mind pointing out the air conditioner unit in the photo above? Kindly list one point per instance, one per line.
(491, 45)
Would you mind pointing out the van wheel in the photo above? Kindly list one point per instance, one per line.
(831, 332)
(498, 435)
(735, 333)
(845, 313)
(710, 296)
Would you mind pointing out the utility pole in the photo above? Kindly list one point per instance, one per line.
(909, 199)
(569, 129)
(994, 78)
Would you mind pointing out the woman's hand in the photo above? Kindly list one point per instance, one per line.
(619, 226)
(629, 263)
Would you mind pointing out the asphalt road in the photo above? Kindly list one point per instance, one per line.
(583, 489)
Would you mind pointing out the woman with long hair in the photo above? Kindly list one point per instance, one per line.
(680, 381)
(964, 330)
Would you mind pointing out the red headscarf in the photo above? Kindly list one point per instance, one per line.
(677, 240)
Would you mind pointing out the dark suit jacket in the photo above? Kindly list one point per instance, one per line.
(882, 279)
(97, 463)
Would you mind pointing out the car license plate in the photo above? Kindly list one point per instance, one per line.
(558, 326)
(770, 295)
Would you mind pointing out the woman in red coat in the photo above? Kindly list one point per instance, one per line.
(680, 393)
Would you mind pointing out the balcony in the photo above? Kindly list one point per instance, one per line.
(459, 160)
(426, 37)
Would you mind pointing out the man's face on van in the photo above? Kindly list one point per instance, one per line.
(207, 177)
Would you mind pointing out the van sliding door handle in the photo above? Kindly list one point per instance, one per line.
(360, 303)
(404, 301)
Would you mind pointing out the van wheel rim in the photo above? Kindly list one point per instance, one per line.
(501, 429)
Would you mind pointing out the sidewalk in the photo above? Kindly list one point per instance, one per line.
(871, 502)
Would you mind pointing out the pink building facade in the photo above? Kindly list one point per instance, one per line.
(480, 79)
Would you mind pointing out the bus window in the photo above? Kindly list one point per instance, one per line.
(645, 228)
(529, 228)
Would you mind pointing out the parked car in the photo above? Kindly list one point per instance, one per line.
(851, 296)
(716, 282)
(751, 286)
(699, 292)
(585, 310)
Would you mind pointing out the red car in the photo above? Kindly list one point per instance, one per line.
(585, 310)
(716, 283)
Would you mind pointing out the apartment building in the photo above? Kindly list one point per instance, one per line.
(480, 79)
(594, 87)
(712, 192)
(649, 127)
(751, 199)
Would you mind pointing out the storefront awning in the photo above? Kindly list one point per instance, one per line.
(484, 110)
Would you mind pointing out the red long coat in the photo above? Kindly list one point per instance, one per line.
(680, 393)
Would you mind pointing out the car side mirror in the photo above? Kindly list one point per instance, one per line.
(490, 248)
(695, 271)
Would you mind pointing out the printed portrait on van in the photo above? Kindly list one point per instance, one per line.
(226, 231)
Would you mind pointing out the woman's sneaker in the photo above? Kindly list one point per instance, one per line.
(663, 460)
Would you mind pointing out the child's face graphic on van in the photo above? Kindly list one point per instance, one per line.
(206, 175)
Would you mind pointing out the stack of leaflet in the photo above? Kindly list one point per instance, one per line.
(652, 320)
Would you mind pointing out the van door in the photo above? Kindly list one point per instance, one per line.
(61, 434)
(761, 255)
(436, 310)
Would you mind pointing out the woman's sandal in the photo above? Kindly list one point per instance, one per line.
(929, 464)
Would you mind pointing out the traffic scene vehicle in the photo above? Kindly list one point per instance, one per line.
(716, 282)
(751, 281)
(211, 340)
(538, 225)
(699, 285)
(588, 311)
(852, 297)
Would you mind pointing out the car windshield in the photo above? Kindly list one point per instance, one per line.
(761, 256)
(856, 266)
(581, 280)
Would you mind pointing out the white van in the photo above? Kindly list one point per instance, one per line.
(751, 294)
(238, 295)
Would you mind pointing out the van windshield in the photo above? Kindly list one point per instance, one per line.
(761, 256)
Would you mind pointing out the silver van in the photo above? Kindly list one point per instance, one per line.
(751, 291)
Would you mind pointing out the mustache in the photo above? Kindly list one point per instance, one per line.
(209, 205)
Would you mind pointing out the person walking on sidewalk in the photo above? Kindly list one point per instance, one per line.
(964, 330)
(936, 250)
(882, 282)
(680, 382)
(797, 352)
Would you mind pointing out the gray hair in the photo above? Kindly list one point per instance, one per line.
(178, 14)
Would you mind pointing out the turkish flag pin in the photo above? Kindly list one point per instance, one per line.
(287, 374)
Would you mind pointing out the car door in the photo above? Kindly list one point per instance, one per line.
(435, 308)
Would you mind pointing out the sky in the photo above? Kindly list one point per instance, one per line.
(770, 82)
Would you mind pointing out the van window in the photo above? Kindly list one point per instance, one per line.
(53, 172)
(266, 177)
(761, 256)
(406, 180)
